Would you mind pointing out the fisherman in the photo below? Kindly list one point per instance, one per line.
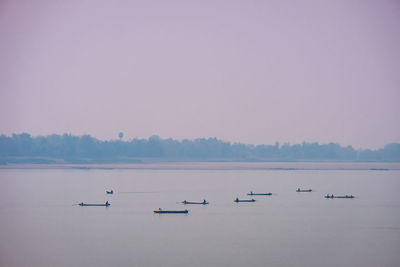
(204, 201)
(107, 203)
(298, 189)
(332, 196)
(237, 199)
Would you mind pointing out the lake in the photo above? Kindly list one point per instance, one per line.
(40, 226)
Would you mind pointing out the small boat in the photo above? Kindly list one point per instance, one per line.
(345, 196)
(94, 205)
(110, 192)
(237, 200)
(303, 190)
(199, 203)
(259, 194)
(159, 211)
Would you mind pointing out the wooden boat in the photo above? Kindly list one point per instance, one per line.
(94, 205)
(303, 190)
(198, 203)
(345, 196)
(237, 200)
(110, 192)
(259, 194)
(159, 211)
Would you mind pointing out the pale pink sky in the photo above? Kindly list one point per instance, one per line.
(248, 71)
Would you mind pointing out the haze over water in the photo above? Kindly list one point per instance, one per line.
(245, 72)
(40, 227)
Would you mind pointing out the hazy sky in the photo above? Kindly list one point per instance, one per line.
(248, 71)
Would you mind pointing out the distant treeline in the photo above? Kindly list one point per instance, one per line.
(23, 148)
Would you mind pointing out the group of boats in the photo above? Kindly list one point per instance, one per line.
(185, 202)
(97, 204)
(204, 202)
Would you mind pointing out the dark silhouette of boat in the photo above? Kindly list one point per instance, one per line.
(303, 190)
(198, 203)
(94, 205)
(237, 200)
(345, 196)
(159, 211)
(110, 192)
(259, 194)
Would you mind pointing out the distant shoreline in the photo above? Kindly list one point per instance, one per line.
(374, 166)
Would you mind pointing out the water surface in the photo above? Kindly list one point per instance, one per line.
(41, 227)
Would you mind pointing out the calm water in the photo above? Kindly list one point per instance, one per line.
(40, 227)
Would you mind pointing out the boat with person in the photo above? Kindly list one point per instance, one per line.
(159, 211)
(94, 205)
(237, 200)
(345, 196)
(110, 192)
(303, 190)
(259, 194)
(204, 202)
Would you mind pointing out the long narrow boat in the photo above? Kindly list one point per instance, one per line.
(303, 190)
(237, 200)
(332, 196)
(259, 194)
(198, 203)
(94, 205)
(159, 211)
